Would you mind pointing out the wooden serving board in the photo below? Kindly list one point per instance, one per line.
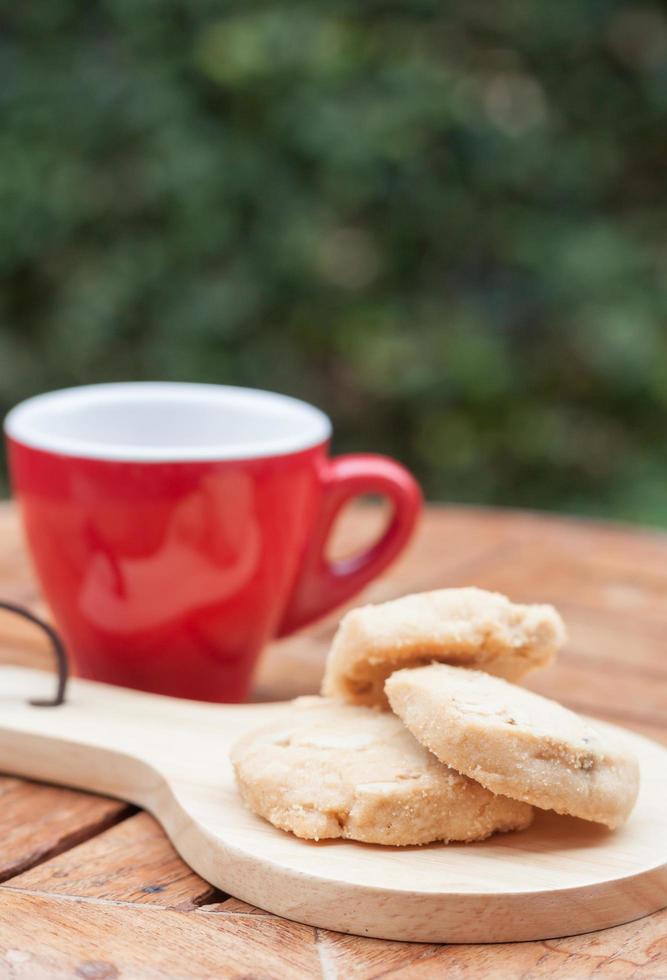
(561, 877)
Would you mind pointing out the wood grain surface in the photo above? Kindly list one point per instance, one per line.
(558, 877)
(611, 585)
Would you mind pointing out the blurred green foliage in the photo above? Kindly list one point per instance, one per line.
(446, 224)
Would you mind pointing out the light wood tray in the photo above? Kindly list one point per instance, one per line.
(561, 877)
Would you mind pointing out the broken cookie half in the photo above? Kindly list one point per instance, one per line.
(335, 770)
(464, 627)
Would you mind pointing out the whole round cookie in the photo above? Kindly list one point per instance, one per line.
(466, 627)
(516, 742)
(334, 770)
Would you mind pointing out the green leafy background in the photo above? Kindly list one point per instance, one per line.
(444, 223)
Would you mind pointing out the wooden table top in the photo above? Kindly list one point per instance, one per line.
(91, 888)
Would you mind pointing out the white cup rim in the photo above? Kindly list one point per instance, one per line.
(262, 423)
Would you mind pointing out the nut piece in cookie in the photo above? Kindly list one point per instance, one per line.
(516, 742)
(464, 627)
(334, 770)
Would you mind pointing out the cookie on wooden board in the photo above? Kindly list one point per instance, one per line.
(464, 627)
(335, 770)
(515, 742)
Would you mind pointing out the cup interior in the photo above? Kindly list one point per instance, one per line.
(166, 421)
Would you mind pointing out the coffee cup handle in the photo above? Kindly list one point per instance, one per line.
(321, 584)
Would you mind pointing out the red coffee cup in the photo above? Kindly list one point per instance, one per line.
(176, 528)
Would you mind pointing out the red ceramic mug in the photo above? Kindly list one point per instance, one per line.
(176, 528)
